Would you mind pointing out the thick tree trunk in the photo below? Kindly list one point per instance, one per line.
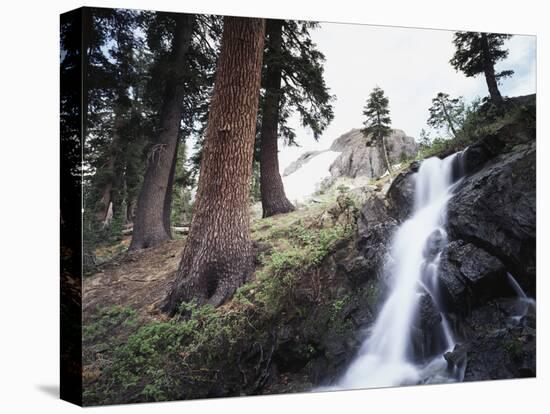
(489, 71)
(152, 222)
(274, 200)
(217, 257)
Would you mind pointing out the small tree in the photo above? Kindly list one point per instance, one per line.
(377, 124)
(425, 140)
(446, 113)
(478, 53)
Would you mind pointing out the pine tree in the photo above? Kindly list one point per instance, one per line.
(478, 53)
(293, 82)
(217, 257)
(115, 136)
(425, 140)
(377, 124)
(446, 113)
(152, 222)
(179, 86)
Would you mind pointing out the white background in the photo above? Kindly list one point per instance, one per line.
(30, 189)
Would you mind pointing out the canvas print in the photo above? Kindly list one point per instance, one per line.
(254, 206)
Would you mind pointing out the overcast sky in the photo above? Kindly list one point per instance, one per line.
(411, 65)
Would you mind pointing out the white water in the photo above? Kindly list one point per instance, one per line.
(386, 358)
(525, 301)
(303, 182)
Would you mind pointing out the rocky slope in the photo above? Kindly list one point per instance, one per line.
(318, 287)
(492, 232)
(356, 159)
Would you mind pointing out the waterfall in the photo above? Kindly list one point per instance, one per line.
(525, 301)
(389, 357)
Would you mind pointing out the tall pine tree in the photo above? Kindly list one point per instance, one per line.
(293, 82)
(151, 226)
(377, 124)
(183, 75)
(478, 53)
(116, 127)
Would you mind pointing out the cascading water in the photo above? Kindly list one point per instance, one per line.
(525, 302)
(389, 357)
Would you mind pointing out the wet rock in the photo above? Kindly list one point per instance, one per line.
(457, 358)
(469, 275)
(374, 244)
(401, 193)
(435, 243)
(495, 209)
(429, 315)
(427, 333)
(501, 354)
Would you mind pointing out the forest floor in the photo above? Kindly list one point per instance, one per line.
(137, 279)
(141, 279)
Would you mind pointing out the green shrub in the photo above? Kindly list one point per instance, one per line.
(189, 355)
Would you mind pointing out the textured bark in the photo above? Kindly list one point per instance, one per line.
(167, 213)
(274, 200)
(489, 71)
(152, 221)
(218, 257)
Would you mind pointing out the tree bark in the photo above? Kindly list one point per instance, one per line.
(274, 200)
(489, 71)
(217, 257)
(152, 221)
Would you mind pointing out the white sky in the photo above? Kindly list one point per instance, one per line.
(411, 65)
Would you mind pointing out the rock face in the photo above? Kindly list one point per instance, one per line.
(401, 193)
(358, 159)
(469, 275)
(495, 347)
(494, 209)
(491, 225)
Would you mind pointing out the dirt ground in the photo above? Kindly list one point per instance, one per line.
(137, 279)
